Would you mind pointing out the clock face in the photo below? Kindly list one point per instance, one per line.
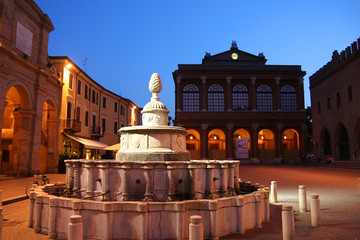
(234, 56)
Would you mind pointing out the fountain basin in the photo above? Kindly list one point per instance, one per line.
(161, 181)
(148, 220)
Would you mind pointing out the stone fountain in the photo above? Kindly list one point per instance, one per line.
(151, 189)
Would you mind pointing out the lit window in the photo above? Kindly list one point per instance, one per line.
(288, 98)
(79, 87)
(190, 98)
(215, 98)
(264, 98)
(240, 96)
(71, 78)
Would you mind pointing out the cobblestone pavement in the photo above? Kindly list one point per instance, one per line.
(337, 188)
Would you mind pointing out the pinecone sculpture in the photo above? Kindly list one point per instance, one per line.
(155, 85)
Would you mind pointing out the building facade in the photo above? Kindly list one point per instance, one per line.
(335, 102)
(234, 106)
(90, 115)
(36, 126)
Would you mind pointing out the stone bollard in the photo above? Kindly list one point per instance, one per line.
(302, 199)
(288, 222)
(315, 211)
(196, 231)
(1, 221)
(273, 192)
(75, 229)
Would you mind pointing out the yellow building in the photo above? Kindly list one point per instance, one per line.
(90, 115)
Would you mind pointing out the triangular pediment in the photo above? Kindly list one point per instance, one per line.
(234, 57)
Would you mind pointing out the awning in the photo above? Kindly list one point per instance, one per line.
(115, 147)
(88, 143)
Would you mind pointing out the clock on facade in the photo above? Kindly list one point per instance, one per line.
(234, 56)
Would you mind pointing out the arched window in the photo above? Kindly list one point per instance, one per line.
(288, 98)
(264, 98)
(190, 98)
(240, 96)
(215, 98)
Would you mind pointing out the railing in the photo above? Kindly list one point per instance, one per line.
(72, 125)
(97, 132)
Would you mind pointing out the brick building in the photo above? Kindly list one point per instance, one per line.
(335, 102)
(41, 116)
(234, 106)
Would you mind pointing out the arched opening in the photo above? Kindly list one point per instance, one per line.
(15, 132)
(241, 141)
(216, 144)
(325, 143)
(193, 143)
(290, 145)
(342, 138)
(47, 158)
(266, 145)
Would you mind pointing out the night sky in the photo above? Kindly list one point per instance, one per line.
(121, 43)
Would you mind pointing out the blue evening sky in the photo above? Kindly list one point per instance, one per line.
(124, 42)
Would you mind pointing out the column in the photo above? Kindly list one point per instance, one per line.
(20, 159)
(254, 144)
(231, 187)
(276, 104)
(125, 182)
(223, 179)
(171, 178)
(105, 181)
(108, 209)
(236, 178)
(229, 142)
(302, 140)
(52, 218)
(300, 94)
(193, 168)
(252, 97)
(69, 176)
(180, 220)
(179, 96)
(228, 95)
(213, 205)
(278, 144)
(204, 142)
(148, 185)
(90, 181)
(210, 183)
(203, 94)
(76, 189)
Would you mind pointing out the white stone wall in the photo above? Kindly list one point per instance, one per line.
(147, 220)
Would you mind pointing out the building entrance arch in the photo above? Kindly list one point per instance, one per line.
(325, 143)
(342, 143)
(216, 144)
(290, 145)
(266, 145)
(241, 141)
(15, 132)
(193, 143)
